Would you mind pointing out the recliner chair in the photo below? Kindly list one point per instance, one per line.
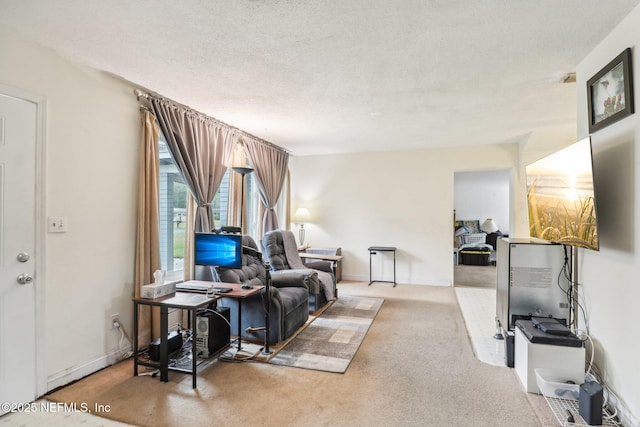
(289, 297)
(280, 249)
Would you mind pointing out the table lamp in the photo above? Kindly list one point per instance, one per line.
(301, 217)
(489, 226)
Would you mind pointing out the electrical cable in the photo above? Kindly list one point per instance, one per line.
(123, 334)
(216, 313)
(584, 337)
(234, 358)
(592, 374)
(591, 370)
(566, 270)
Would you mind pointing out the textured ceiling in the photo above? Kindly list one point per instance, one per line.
(341, 75)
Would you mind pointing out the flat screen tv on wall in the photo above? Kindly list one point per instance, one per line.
(561, 197)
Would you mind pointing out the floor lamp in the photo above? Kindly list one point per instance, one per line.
(242, 171)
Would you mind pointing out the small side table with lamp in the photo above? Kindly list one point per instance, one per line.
(490, 227)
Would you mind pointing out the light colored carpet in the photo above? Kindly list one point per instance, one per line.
(331, 341)
(415, 368)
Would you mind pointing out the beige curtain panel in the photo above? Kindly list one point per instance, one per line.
(201, 147)
(271, 164)
(148, 222)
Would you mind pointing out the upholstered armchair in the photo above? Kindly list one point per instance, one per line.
(280, 249)
(288, 299)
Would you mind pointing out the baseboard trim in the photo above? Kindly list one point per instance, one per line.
(399, 280)
(74, 373)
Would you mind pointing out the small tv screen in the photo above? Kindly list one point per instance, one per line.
(561, 197)
(220, 250)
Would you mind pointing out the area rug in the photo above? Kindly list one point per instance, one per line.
(332, 340)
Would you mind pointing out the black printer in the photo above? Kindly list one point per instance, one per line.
(543, 330)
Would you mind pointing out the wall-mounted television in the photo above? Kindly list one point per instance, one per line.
(219, 250)
(561, 197)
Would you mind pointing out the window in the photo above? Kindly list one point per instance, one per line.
(173, 211)
(254, 219)
(220, 204)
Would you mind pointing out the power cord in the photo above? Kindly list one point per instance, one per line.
(228, 356)
(593, 375)
(566, 271)
(208, 310)
(591, 370)
(123, 354)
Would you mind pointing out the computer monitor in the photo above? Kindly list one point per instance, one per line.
(220, 250)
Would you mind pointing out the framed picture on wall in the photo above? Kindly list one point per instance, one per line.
(610, 92)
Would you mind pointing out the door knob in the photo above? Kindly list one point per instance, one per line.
(25, 279)
(23, 257)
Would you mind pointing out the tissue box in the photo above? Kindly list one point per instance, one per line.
(156, 290)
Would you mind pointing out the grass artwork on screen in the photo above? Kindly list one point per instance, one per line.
(561, 197)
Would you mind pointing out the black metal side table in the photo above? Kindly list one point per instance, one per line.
(374, 250)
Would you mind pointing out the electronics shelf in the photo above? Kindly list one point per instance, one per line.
(180, 300)
(559, 407)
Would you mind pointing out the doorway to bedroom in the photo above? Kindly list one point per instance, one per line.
(479, 196)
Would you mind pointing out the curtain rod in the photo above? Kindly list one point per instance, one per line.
(147, 95)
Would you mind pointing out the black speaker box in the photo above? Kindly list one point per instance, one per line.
(590, 402)
(509, 342)
(213, 332)
(174, 343)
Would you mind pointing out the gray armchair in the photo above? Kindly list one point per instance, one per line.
(289, 298)
(280, 249)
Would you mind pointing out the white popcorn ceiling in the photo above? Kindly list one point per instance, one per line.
(334, 76)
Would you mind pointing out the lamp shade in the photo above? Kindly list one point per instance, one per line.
(489, 226)
(301, 216)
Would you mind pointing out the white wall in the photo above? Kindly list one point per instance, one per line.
(401, 198)
(92, 137)
(610, 277)
(483, 194)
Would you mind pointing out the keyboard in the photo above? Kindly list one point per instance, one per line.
(194, 287)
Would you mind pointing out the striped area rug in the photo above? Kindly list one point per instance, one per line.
(332, 340)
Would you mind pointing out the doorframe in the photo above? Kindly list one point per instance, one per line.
(512, 202)
(39, 232)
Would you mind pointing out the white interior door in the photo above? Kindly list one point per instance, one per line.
(17, 251)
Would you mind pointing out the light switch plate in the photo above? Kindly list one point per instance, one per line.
(58, 224)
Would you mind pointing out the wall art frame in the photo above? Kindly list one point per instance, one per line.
(610, 92)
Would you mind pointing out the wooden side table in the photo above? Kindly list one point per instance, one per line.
(335, 261)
